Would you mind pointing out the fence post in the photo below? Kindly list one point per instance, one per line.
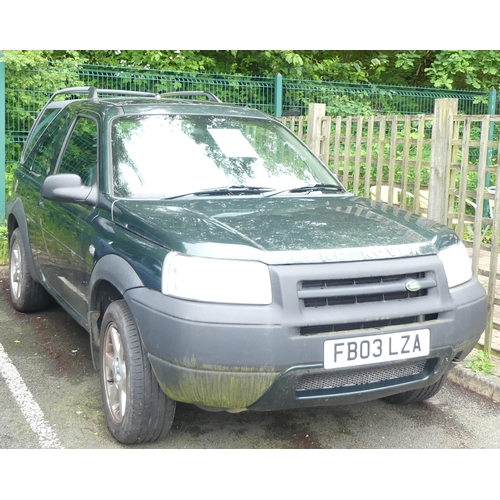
(492, 109)
(442, 130)
(2, 139)
(316, 113)
(278, 96)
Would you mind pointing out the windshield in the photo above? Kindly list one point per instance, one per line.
(173, 155)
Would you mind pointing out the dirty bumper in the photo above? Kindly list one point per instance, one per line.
(300, 386)
(229, 357)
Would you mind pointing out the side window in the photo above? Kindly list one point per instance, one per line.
(80, 154)
(43, 122)
(42, 158)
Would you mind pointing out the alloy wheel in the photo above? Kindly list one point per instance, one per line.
(115, 373)
(16, 269)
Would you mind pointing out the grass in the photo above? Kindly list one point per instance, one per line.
(481, 363)
(4, 246)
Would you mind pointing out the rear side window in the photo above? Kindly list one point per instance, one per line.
(47, 116)
(80, 154)
(42, 158)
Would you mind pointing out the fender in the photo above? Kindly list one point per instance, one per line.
(17, 214)
(119, 273)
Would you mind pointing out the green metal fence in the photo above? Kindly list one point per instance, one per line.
(27, 89)
(346, 99)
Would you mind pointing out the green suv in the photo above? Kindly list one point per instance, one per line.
(214, 260)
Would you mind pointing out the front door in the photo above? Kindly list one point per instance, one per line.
(65, 257)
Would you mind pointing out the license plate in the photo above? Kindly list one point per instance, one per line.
(357, 351)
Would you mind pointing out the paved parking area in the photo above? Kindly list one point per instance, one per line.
(51, 354)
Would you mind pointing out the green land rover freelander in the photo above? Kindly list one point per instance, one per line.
(215, 260)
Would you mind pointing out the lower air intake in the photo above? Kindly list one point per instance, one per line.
(358, 377)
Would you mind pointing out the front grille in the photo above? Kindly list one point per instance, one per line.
(359, 377)
(363, 325)
(338, 292)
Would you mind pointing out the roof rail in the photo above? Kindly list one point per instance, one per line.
(193, 93)
(93, 93)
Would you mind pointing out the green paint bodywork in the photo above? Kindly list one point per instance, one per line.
(255, 227)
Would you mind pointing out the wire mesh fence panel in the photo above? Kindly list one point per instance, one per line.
(354, 99)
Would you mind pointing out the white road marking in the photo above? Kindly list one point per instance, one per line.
(29, 407)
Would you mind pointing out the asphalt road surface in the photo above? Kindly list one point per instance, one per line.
(50, 398)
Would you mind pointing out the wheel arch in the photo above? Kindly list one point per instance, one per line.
(111, 277)
(16, 219)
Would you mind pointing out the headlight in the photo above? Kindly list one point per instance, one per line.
(216, 280)
(456, 264)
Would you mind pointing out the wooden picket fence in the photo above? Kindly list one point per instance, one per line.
(443, 166)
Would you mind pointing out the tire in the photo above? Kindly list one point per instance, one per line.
(417, 395)
(26, 294)
(136, 409)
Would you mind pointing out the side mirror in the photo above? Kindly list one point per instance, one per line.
(68, 188)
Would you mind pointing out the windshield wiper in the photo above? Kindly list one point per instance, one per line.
(310, 188)
(226, 190)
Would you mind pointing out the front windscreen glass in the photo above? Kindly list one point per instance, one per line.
(162, 156)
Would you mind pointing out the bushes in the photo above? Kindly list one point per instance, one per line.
(4, 245)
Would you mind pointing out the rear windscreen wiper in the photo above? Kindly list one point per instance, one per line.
(226, 190)
(309, 188)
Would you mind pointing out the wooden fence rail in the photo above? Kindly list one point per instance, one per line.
(443, 166)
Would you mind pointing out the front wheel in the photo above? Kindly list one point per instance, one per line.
(137, 410)
(417, 395)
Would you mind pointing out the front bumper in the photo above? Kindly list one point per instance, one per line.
(258, 357)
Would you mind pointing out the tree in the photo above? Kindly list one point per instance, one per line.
(459, 69)
(478, 69)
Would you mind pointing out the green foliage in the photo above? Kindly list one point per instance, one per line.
(481, 363)
(459, 69)
(478, 69)
(176, 60)
(26, 91)
(4, 245)
(307, 64)
(343, 105)
(9, 176)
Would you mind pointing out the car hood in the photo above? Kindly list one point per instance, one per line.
(283, 229)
